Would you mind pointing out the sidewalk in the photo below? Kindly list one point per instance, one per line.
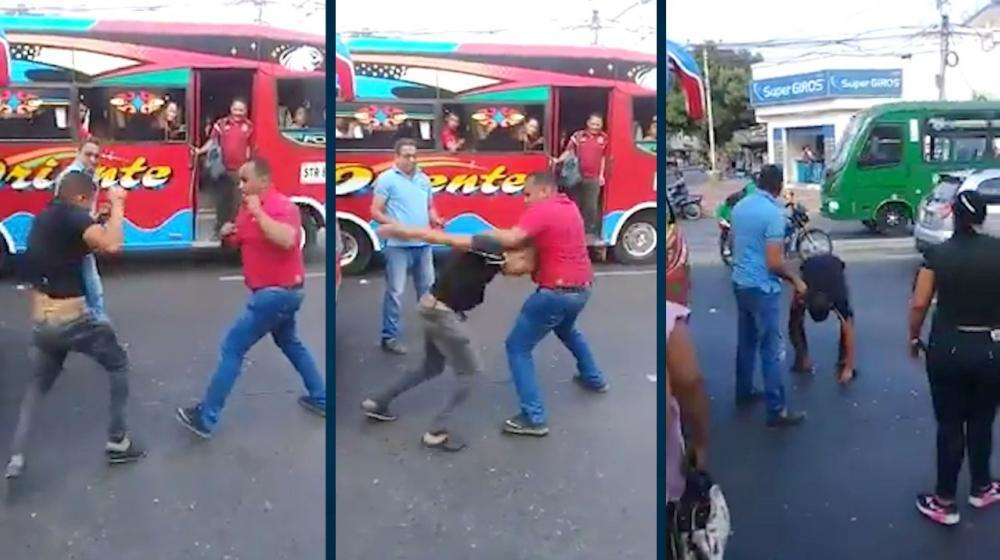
(717, 191)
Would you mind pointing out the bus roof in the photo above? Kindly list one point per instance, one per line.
(931, 106)
(440, 48)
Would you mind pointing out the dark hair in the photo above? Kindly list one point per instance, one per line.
(261, 167)
(771, 179)
(595, 114)
(240, 100)
(969, 209)
(91, 140)
(402, 143)
(76, 183)
(543, 179)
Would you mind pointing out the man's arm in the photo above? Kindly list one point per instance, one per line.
(378, 210)
(519, 262)
(513, 238)
(923, 294)
(685, 380)
(280, 233)
(432, 213)
(110, 237)
(427, 235)
(847, 342)
(776, 264)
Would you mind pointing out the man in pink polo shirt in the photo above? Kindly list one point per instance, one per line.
(552, 224)
(590, 146)
(267, 232)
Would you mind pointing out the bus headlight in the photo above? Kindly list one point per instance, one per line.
(833, 205)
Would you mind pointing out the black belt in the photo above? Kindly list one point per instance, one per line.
(298, 286)
(566, 289)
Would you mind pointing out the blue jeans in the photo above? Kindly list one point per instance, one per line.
(417, 262)
(93, 289)
(760, 330)
(544, 311)
(270, 310)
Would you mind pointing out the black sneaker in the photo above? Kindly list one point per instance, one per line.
(15, 466)
(190, 418)
(393, 346)
(754, 396)
(377, 411)
(588, 387)
(936, 511)
(519, 425)
(312, 405)
(123, 450)
(786, 419)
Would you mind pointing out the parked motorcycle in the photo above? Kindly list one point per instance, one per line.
(686, 204)
(801, 241)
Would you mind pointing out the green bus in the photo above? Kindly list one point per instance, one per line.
(890, 155)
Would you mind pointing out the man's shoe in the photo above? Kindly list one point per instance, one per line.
(754, 396)
(15, 466)
(393, 346)
(786, 419)
(123, 450)
(521, 426)
(603, 388)
(377, 411)
(937, 511)
(313, 405)
(985, 497)
(190, 418)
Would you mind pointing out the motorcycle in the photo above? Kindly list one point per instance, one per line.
(687, 205)
(801, 241)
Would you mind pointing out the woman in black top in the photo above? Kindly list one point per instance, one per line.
(963, 356)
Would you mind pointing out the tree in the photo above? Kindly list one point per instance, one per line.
(730, 78)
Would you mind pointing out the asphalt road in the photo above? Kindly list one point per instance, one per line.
(587, 490)
(255, 491)
(843, 484)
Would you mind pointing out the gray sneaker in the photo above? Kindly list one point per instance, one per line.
(393, 346)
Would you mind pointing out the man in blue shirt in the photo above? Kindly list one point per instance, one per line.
(758, 270)
(403, 197)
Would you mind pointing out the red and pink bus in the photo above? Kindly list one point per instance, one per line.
(501, 95)
(149, 92)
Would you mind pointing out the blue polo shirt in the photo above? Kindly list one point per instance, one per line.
(757, 220)
(407, 200)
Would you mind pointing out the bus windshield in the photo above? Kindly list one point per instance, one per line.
(843, 148)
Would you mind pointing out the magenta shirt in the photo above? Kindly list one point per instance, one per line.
(675, 441)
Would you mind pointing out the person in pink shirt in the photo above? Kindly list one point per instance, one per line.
(553, 226)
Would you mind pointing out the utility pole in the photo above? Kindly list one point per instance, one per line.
(708, 97)
(945, 49)
(595, 25)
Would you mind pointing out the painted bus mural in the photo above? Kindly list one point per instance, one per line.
(517, 106)
(149, 92)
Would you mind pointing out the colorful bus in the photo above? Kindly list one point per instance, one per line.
(517, 106)
(149, 92)
(890, 154)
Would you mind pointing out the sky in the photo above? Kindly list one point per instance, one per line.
(306, 15)
(539, 22)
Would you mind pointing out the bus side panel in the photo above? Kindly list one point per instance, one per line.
(632, 172)
(158, 210)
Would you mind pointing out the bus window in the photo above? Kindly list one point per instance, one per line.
(644, 119)
(302, 110)
(884, 146)
(495, 128)
(365, 126)
(34, 114)
(956, 140)
(134, 114)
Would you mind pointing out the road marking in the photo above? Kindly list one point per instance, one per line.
(641, 272)
(240, 277)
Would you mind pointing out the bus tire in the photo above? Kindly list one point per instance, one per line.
(358, 249)
(310, 234)
(637, 240)
(6, 259)
(870, 225)
(893, 219)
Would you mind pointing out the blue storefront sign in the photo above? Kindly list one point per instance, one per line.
(826, 84)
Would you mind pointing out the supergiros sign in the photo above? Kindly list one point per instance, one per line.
(41, 176)
(352, 178)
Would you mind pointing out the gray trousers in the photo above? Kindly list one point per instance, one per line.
(446, 342)
(52, 344)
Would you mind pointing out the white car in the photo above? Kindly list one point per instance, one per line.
(934, 221)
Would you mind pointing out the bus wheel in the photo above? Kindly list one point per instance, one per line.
(893, 219)
(310, 234)
(5, 258)
(870, 225)
(637, 240)
(357, 249)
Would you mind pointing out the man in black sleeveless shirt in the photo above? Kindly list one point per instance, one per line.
(460, 287)
(827, 291)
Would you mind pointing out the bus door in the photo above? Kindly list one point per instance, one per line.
(145, 131)
(573, 105)
(215, 89)
(883, 173)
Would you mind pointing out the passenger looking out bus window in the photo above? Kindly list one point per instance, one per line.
(451, 135)
(84, 116)
(346, 127)
(34, 114)
(169, 124)
(529, 135)
(300, 118)
(366, 126)
(650, 135)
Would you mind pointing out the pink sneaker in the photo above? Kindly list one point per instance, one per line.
(986, 497)
(945, 514)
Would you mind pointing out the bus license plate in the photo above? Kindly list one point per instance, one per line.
(313, 173)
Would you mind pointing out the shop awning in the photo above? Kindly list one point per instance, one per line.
(682, 65)
(345, 72)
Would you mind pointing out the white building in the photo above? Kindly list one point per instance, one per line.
(810, 103)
